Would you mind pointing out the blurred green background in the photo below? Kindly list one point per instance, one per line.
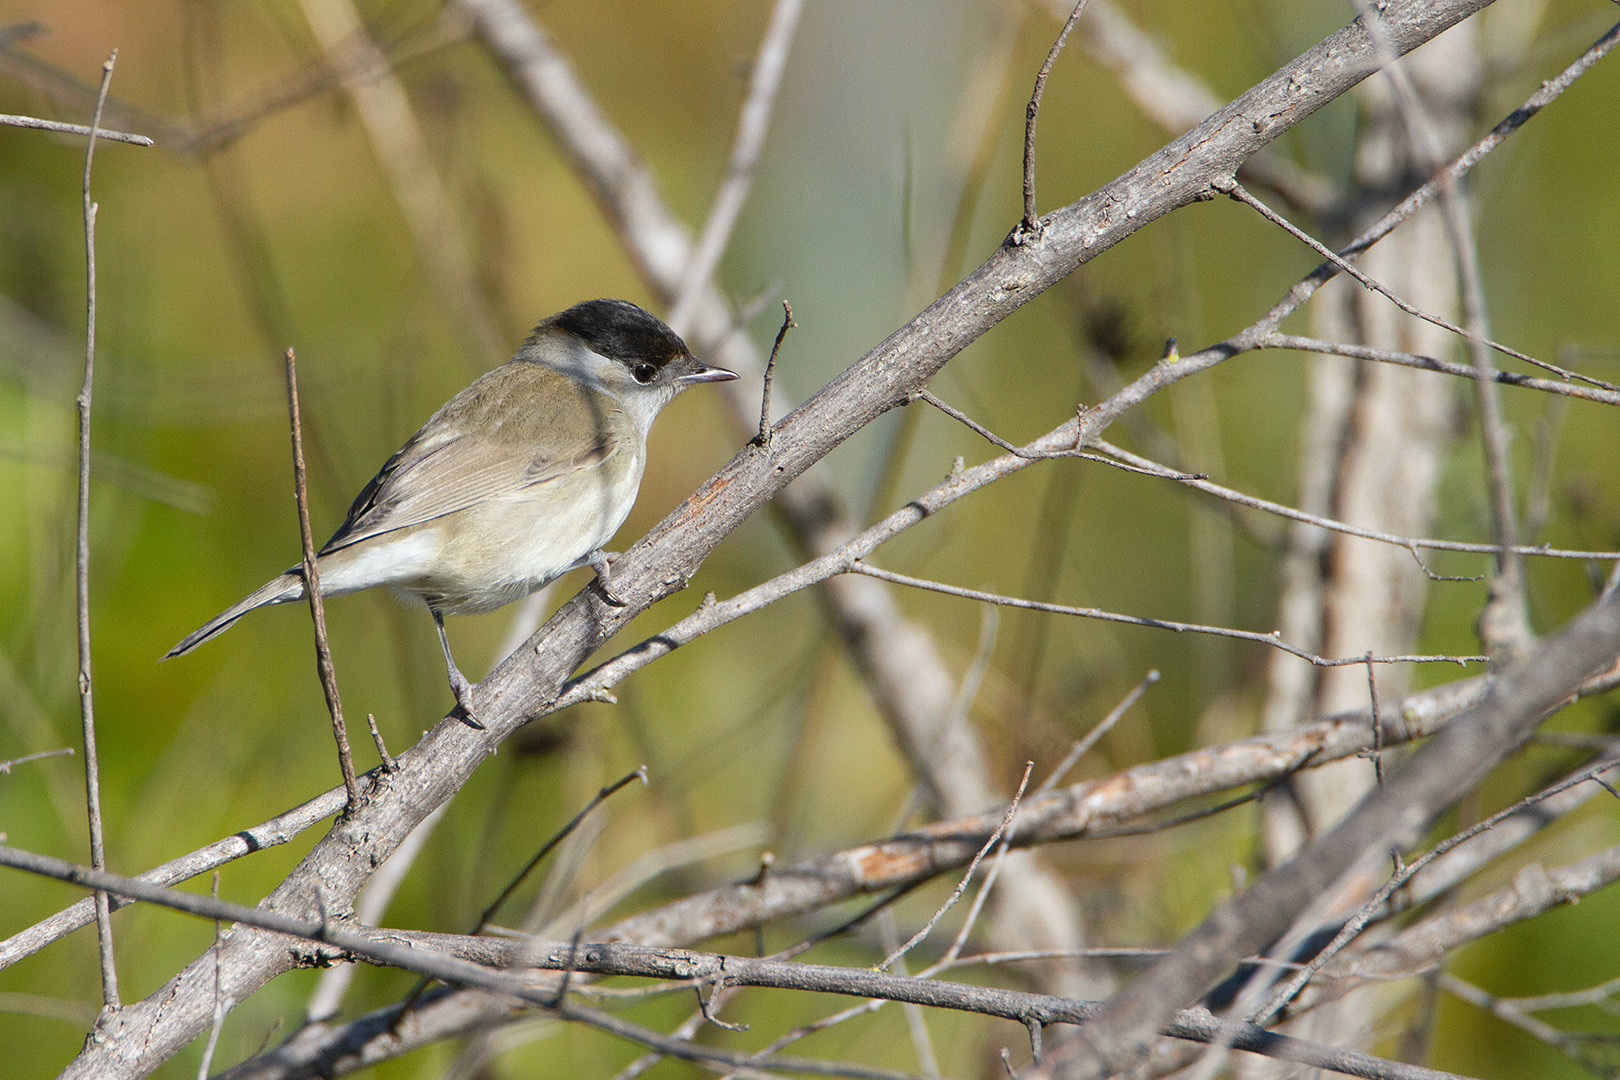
(208, 269)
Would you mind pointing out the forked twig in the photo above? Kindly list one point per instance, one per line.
(1594, 392)
(1242, 195)
(1202, 483)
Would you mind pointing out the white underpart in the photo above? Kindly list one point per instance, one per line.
(384, 560)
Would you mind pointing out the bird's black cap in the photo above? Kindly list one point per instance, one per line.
(620, 331)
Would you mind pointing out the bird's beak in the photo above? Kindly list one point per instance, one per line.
(705, 373)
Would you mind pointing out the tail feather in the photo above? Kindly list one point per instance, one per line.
(284, 589)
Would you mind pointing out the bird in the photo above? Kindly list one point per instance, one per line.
(515, 481)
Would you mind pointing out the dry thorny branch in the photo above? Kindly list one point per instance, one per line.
(489, 980)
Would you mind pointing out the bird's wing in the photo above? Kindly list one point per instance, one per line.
(518, 426)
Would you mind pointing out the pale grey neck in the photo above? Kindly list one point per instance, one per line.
(640, 403)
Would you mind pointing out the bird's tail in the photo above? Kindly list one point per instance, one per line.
(284, 589)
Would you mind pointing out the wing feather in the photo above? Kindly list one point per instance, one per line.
(518, 426)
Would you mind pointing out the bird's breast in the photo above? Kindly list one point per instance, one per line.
(504, 548)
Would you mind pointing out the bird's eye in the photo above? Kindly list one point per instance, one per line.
(644, 373)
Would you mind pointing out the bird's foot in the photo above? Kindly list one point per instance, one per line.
(458, 682)
(463, 691)
(599, 561)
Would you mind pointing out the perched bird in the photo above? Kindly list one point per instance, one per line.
(518, 479)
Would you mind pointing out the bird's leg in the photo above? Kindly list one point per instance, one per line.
(598, 560)
(458, 682)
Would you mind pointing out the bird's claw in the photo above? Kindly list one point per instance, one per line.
(463, 691)
(599, 561)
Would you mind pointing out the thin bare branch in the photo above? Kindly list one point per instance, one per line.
(312, 590)
(216, 129)
(1198, 482)
(770, 369)
(1136, 620)
(1424, 945)
(1444, 367)
(562, 834)
(1083, 746)
(1569, 999)
(1562, 1041)
(601, 899)
(87, 712)
(961, 886)
(11, 120)
(967, 421)
(1029, 228)
(971, 919)
(6, 766)
(1239, 193)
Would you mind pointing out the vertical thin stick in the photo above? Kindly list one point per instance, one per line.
(770, 369)
(312, 588)
(1378, 725)
(1029, 228)
(87, 712)
(221, 1006)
